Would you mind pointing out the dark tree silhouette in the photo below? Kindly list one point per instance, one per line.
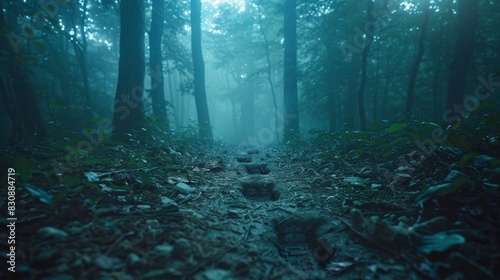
(18, 95)
(128, 106)
(464, 48)
(155, 62)
(200, 95)
(418, 59)
(291, 106)
(364, 63)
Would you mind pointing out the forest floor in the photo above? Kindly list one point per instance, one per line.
(193, 211)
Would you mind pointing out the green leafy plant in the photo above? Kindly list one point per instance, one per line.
(24, 168)
(189, 132)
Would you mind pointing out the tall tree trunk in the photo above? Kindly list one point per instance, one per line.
(156, 63)
(80, 48)
(200, 94)
(18, 95)
(174, 100)
(291, 101)
(437, 87)
(418, 59)
(128, 106)
(377, 83)
(269, 72)
(364, 63)
(233, 106)
(464, 48)
(352, 73)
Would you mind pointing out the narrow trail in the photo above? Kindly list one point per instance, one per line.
(281, 218)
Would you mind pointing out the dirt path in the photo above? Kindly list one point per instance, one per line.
(224, 212)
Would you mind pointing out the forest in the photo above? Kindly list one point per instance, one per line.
(250, 139)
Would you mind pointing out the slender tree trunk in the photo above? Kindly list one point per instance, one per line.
(418, 59)
(352, 74)
(364, 63)
(156, 63)
(437, 77)
(291, 101)
(269, 71)
(80, 48)
(128, 106)
(200, 95)
(377, 82)
(464, 48)
(174, 100)
(233, 106)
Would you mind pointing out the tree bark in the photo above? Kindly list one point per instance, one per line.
(418, 59)
(291, 105)
(200, 95)
(128, 106)
(156, 63)
(464, 48)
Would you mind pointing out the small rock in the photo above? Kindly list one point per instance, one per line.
(354, 182)
(52, 232)
(164, 250)
(402, 177)
(182, 248)
(167, 202)
(143, 207)
(214, 274)
(183, 188)
(405, 169)
(107, 262)
(357, 203)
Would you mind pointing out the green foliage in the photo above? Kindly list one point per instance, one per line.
(24, 168)
(155, 133)
(478, 132)
(384, 139)
(352, 144)
(189, 133)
